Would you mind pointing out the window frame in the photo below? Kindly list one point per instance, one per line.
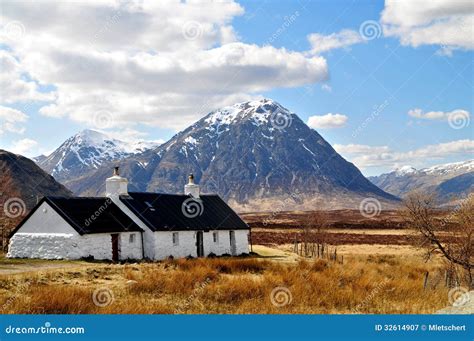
(175, 238)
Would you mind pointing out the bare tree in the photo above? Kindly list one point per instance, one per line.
(451, 236)
(313, 231)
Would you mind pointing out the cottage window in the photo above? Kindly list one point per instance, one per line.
(175, 238)
(215, 237)
(131, 239)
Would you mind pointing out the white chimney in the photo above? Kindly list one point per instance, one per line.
(116, 185)
(191, 188)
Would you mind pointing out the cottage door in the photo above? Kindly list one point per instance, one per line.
(200, 244)
(115, 247)
(233, 247)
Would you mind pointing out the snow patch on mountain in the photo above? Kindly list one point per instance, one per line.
(89, 149)
(405, 170)
(259, 111)
(464, 166)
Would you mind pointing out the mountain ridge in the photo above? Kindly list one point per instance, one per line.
(449, 181)
(86, 151)
(22, 184)
(255, 154)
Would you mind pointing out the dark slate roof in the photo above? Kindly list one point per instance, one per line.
(79, 213)
(163, 212)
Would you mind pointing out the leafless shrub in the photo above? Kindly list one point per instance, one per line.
(452, 236)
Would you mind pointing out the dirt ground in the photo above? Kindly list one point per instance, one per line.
(19, 266)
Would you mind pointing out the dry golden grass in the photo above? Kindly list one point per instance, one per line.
(363, 284)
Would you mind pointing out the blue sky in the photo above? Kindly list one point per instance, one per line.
(400, 96)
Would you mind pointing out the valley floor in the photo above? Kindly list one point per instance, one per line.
(276, 281)
(373, 266)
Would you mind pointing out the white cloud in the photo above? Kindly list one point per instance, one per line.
(327, 121)
(360, 149)
(131, 136)
(11, 120)
(322, 43)
(26, 147)
(326, 87)
(365, 156)
(14, 83)
(160, 63)
(425, 22)
(438, 115)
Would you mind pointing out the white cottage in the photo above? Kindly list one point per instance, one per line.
(126, 225)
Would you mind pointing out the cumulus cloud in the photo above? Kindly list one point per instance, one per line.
(14, 82)
(365, 156)
(327, 121)
(11, 120)
(438, 115)
(160, 63)
(26, 147)
(322, 43)
(442, 22)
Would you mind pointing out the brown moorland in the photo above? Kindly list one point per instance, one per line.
(363, 284)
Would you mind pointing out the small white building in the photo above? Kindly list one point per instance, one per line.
(125, 225)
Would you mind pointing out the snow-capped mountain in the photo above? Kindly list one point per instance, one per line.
(87, 151)
(449, 181)
(256, 155)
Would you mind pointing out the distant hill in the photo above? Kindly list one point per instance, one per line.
(257, 155)
(22, 185)
(449, 181)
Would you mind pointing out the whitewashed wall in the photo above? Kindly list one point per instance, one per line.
(46, 220)
(130, 250)
(223, 244)
(187, 244)
(72, 246)
(164, 244)
(149, 236)
(60, 246)
(47, 235)
(242, 241)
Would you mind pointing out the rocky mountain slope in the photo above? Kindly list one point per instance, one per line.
(449, 181)
(22, 185)
(257, 155)
(87, 151)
